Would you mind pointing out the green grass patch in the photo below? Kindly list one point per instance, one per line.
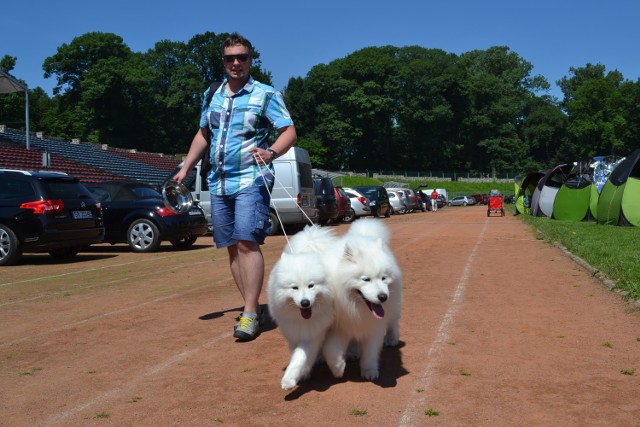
(612, 250)
(102, 415)
(453, 188)
(430, 412)
(628, 371)
(31, 372)
(359, 412)
(465, 373)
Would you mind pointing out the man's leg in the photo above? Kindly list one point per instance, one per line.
(247, 267)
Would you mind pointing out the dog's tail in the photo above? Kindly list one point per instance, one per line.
(372, 228)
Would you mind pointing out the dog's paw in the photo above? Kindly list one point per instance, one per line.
(337, 368)
(391, 341)
(288, 383)
(370, 374)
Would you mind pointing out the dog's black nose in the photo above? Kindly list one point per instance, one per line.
(305, 303)
(382, 297)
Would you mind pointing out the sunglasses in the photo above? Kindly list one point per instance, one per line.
(230, 59)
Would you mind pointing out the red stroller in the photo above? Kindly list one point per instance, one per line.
(495, 203)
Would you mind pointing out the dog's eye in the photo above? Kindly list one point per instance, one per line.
(365, 279)
(311, 285)
(295, 288)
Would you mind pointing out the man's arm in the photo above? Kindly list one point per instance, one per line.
(287, 138)
(198, 145)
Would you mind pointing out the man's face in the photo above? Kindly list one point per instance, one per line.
(237, 62)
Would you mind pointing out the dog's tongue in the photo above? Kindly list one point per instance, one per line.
(306, 313)
(377, 310)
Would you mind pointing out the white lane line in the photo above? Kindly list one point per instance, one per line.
(435, 351)
(131, 385)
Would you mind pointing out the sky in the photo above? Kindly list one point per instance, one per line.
(294, 36)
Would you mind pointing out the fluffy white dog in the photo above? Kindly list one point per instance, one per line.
(300, 299)
(366, 283)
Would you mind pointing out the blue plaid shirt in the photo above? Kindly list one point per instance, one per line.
(238, 123)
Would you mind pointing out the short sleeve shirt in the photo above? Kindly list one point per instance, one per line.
(237, 124)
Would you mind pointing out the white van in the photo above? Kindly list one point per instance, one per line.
(292, 196)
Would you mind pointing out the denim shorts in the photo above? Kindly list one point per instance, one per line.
(241, 216)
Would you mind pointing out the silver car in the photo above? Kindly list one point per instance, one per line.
(359, 205)
(462, 201)
(397, 202)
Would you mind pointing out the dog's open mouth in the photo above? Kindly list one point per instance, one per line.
(376, 309)
(306, 313)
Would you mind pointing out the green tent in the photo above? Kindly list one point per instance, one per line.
(524, 191)
(619, 202)
(572, 202)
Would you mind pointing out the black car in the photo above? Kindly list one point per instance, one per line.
(46, 212)
(326, 201)
(135, 214)
(378, 200)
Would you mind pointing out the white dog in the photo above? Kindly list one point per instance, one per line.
(366, 283)
(300, 299)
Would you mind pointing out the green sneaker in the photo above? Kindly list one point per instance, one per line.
(248, 327)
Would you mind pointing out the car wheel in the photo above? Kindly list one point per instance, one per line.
(464, 203)
(143, 236)
(388, 213)
(10, 251)
(403, 210)
(350, 217)
(185, 242)
(275, 224)
(449, 203)
(64, 253)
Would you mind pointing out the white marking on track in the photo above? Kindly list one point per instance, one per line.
(427, 376)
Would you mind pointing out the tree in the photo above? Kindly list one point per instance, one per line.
(597, 112)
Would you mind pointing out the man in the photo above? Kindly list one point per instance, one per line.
(239, 119)
(434, 200)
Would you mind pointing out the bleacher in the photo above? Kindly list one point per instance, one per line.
(160, 161)
(89, 156)
(15, 157)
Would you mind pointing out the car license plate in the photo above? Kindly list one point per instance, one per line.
(373, 203)
(195, 212)
(82, 214)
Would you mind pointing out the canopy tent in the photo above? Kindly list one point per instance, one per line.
(10, 85)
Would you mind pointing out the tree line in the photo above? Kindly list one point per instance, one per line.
(403, 108)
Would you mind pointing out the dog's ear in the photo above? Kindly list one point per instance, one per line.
(348, 253)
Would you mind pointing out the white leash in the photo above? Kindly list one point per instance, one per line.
(263, 165)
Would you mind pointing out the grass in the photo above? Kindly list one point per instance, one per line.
(359, 412)
(612, 250)
(31, 372)
(102, 415)
(628, 371)
(430, 412)
(453, 188)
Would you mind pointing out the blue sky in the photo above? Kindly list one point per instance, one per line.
(293, 36)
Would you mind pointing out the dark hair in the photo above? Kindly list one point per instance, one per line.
(235, 39)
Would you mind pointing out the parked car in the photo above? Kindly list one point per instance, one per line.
(462, 201)
(46, 212)
(344, 205)
(397, 202)
(135, 214)
(326, 201)
(359, 205)
(481, 199)
(378, 200)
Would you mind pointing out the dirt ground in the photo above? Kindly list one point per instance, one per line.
(498, 329)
